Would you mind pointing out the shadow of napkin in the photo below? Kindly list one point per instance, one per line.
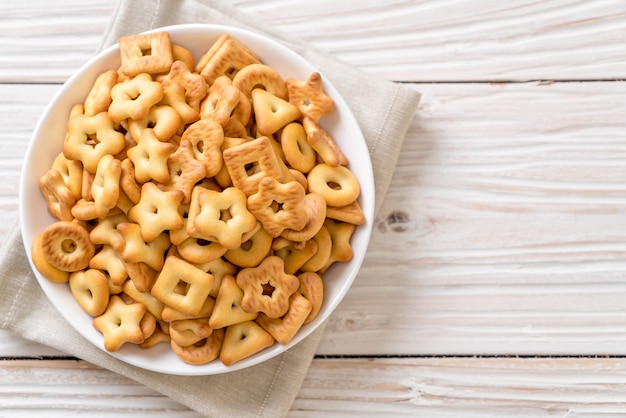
(384, 111)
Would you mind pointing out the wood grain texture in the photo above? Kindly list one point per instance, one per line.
(502, 232)
(449, 40)
(444, 387)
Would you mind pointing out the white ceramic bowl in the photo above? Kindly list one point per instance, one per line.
(47, 142)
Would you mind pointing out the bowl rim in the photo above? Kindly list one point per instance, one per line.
(365, 177)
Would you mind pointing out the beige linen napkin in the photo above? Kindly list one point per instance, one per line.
(384, 111)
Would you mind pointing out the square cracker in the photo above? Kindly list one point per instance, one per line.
(146, 53)
(226, 57)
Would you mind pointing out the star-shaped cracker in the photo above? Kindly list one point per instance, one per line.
(267, 288)
(150, 156)
(309, 96)
(107, 259)
(278, 206)
(195, 86)
(120, 323)
(79, 146)
(220, 216)
(157, 211)
(185, 170)
(137, 250)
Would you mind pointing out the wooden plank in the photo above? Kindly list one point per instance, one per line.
(502, 233)
(448, 40)
(428, 387)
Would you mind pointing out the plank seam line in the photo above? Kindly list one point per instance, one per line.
(381, 356)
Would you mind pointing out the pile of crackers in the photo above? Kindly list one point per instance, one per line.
(198, 204)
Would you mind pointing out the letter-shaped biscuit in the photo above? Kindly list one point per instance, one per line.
(323, 143)
(337, 185)
(222, 99)
(99, 97)
(312, 288)
(163, 119)
(252, 251)
(106, 259)
(316, 214)
(201, 353)
(260, 76)
(72, 173)
(105, 188)
(137, 250)
(185, 171)
(293, 257)
(46, 269)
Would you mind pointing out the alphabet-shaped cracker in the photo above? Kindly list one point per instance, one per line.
(106, 259)
(222, 99)
(137, 250)
(105, 188)
(91, 290)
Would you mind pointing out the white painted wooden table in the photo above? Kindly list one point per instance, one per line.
(495, 282)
